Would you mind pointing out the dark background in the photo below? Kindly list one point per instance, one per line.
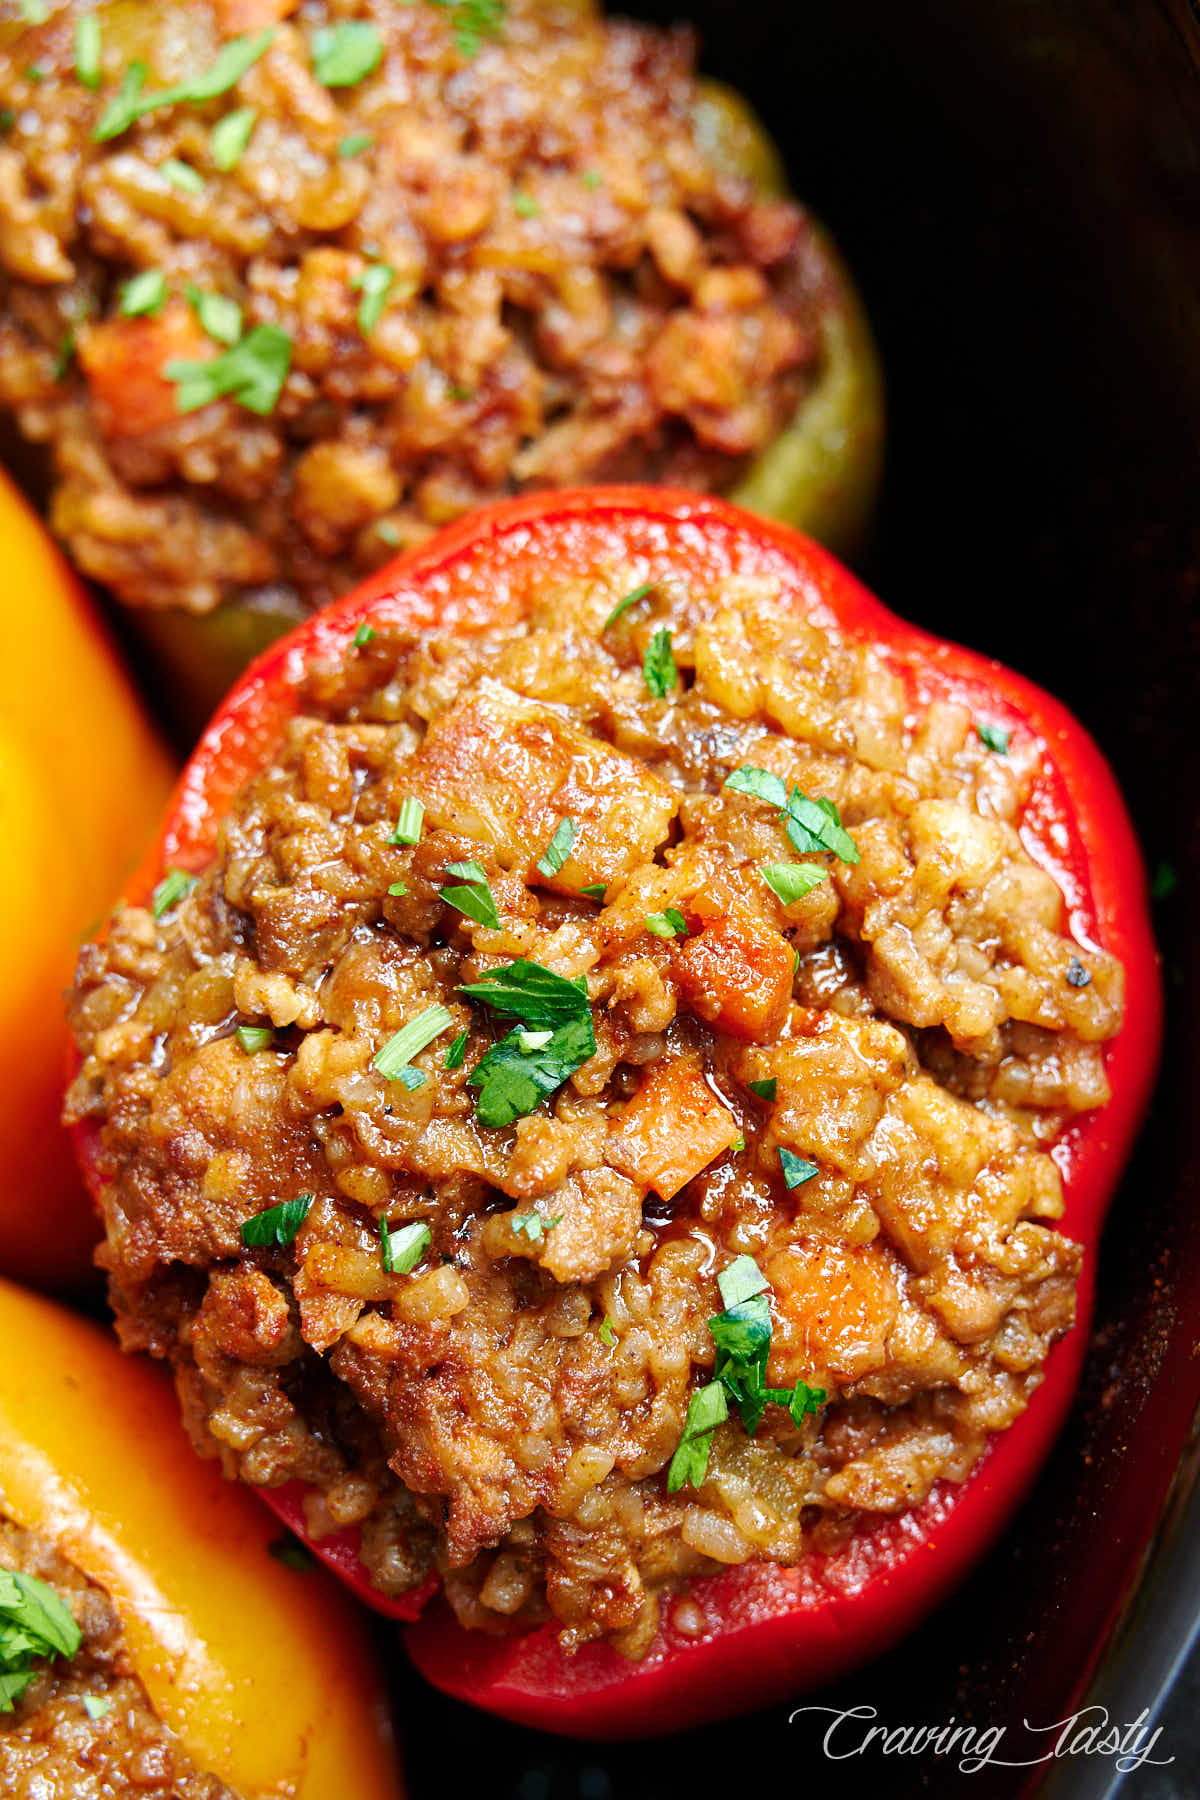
(1017, 185)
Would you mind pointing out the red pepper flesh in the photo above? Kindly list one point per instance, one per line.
(768, 1631)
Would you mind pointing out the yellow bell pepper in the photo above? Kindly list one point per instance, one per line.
(82, 780)
(261, 1671)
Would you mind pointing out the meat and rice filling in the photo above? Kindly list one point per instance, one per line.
(356, 273)
(590, 1119)
(81, 1724)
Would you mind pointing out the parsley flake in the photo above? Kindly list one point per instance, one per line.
(595, 890)
(232, 62)
(707, 1409)
(524, 204)
(993, 737)
(277, 1226)
(606, 1333)
(658, 665)
(96, 1706)
(631, 599)
(534, 1226)
(412, 1038)
(144, 293)
(795, 1169)
(474, 899)
(252, 372)
(87, 50)
(34, 1622)
(363, 636)
(473, 21)
(790, 882)
(229, 137)
(397, 889)
(345, 54)
(457, 1051)
(409, 822)
(811, 824)
(355, 142)
(669, 924)
(559, 848)
(534, 994)
(219, 316)
(182, 175)
(765, 1089)
(374, 282)
(254, 1037)
(512, 1081)
(175, 884)
(400, 1251)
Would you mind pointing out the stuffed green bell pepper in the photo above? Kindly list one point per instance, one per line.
(292, 290)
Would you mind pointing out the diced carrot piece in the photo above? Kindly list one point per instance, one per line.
(503, 768)
(736, 973)
(124, 359)
(674, 1126)
(837, 1305)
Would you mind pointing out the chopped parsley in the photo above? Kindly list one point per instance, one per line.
(400, 1049)
(229, 136)
(254, 1037)
(795, 1169)
(97, 1706)
(527, 1065)
(409, 821)
(33, 1622)
(669, 924)
(374, 281)
(595, 890)
(87, 50)
(219, 316)
(397, 889)
(355, 142)
(512, 1081)
(707, 1409)
(993, 737)
(363, 636)
(171, 890)
(559, 848)
(400, 1251)
(457, 1051)
(658, 665)
(182, 175)
(345, 54)
(739, 1143)
(524, 204)
(277, 1226)
(606, 1334)
(389, 531)
(742, 1339)
(765, 1089)
(66, 351)
(790, 882)
(474, 899)
(251, 372)
(1077, 975)
(631, 599)
(531, 993)
(811, 824)
(534, 1226)
(473, 21)
(144, 293)
(234, 59)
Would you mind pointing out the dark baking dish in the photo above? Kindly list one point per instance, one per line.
(1015, 183)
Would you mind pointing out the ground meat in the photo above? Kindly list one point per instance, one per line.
(911, 1034)
(578, 286)
(50, 1747)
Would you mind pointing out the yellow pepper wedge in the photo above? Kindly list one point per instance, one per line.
(263, 1672)
(83, 778)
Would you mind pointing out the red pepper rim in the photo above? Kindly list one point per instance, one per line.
(768, 1631)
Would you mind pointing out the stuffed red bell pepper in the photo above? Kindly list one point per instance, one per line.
(607, 1097)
